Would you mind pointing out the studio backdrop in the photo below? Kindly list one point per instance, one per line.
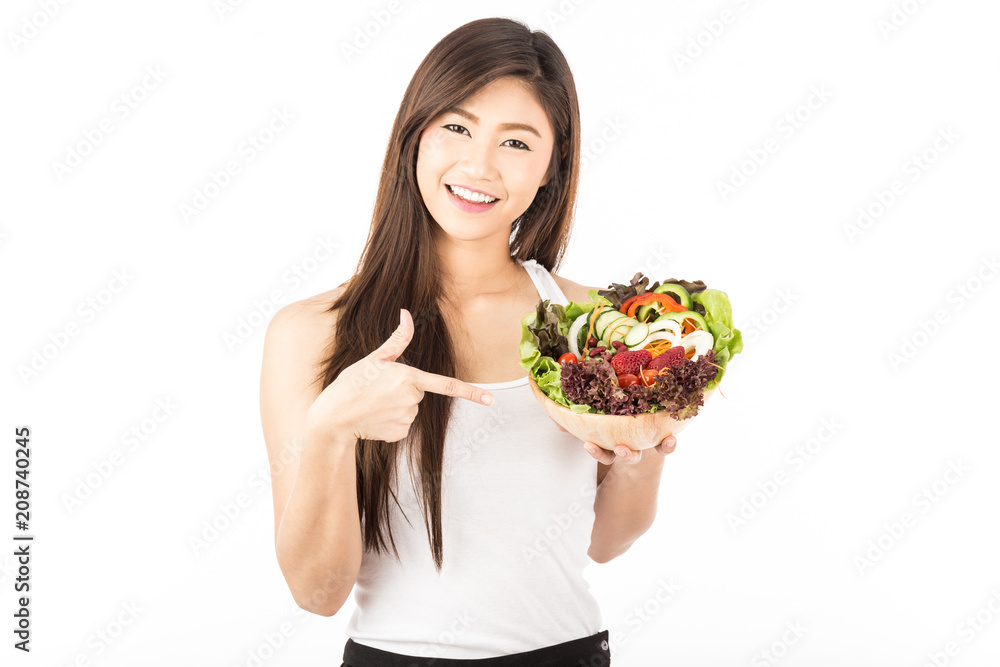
(173, 174)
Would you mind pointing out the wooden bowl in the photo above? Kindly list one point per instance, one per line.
(636, 431)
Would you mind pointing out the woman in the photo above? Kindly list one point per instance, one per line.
(475, 201)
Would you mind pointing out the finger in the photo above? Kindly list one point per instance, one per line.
(558, 425)
(602, 455)
(442, 384)
(667, 446)
(627, 455)
(397, 342)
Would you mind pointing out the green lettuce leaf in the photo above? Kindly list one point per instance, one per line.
(545, 370)
(728, 340)
(595, 297)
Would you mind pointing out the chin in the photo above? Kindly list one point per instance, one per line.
(469, 232)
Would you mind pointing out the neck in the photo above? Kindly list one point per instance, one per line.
(472, 269)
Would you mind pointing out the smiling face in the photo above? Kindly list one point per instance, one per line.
(495, 145)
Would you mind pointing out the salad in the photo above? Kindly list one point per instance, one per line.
(632, 349)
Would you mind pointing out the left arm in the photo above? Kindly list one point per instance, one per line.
(627, 487)
(625, 505)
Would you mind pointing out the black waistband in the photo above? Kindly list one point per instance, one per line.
(590, 651)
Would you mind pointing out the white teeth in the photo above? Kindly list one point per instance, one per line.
(468, 195)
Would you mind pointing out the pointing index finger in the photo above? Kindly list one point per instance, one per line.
(448, 386)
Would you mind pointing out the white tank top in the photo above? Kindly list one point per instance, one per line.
(517, 513)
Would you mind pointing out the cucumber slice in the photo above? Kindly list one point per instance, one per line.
(636, 334)
(655, 336)
(617, 334)
(620, 327)
(604, 319)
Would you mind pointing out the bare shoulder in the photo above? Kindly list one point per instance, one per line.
(307, 317)
(573, 291)
(318, 304)
(298, 338)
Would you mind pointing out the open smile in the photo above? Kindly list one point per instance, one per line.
(471, 201)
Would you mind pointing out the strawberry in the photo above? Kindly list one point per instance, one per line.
(671, 357)
(630, 362)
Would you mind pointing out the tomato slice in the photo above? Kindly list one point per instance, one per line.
(568, 358)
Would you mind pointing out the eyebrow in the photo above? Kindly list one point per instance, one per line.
(503, 126)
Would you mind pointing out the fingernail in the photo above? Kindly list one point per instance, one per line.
(487, 399)
(620, 451)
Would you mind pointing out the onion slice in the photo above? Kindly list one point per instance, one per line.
(574, 333)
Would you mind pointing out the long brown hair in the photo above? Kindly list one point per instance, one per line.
(397, 268)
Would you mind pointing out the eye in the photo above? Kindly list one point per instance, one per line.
(525, 146)
(521, 146)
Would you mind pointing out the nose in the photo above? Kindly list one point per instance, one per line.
(478, 161)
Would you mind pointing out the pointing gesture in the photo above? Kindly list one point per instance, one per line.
(438, 384)
(376, 398)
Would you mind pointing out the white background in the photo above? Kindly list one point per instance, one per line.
(822, 310)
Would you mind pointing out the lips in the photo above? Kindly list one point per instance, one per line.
(462, 195)
(469, 206)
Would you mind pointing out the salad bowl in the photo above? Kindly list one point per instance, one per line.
(632, 365)
(635, 431)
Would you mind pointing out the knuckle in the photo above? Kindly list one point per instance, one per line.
(403, 374)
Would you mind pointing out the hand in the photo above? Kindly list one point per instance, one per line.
(631, 457)
(376, 398)
(624, 454)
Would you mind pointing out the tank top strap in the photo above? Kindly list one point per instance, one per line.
(544, 282)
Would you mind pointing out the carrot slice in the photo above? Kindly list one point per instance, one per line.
(590, 332)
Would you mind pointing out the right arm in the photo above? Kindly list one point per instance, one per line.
(311, 436)
(317, 528)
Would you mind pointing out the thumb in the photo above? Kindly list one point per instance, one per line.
(397, 342)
